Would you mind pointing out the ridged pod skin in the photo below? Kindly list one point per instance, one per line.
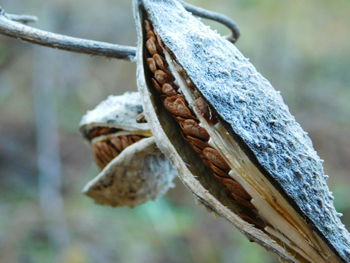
(133, 170)
(231, 137)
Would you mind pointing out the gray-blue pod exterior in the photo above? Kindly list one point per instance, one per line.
(268, 152)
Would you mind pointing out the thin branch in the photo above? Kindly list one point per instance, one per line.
(10, 25)
(220, 18)
(24, 19)
(17, 30)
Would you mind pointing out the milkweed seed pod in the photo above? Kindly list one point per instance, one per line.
(133, 170)
(231, 137)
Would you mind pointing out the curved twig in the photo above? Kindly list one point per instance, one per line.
(24, 19)
(19, 18)
(11, 26)
(220, 18)
(15, 29)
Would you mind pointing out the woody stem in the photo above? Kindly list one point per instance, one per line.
(10, 26)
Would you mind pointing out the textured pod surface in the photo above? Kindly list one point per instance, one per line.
(133, 170)
(118, 112)
(255, 118)
(139, 174)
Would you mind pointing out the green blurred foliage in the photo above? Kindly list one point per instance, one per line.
(302, 47)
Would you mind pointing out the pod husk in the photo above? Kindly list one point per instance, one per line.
(116, 112)
(253, 113)
(140, 172)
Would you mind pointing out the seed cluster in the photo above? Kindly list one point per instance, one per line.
(111, 146)
(98, 131)
(175, 103)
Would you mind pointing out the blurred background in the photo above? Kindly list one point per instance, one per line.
(302, 47)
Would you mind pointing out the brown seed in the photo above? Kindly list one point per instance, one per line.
(117, 143)
(135, 138)
(93, 133)
(198, 150)
(234, 187)
(150, 34)
(151, 46)
(189, 83)
(148, 26)
(102, 153)
(152, 65)
(213, 156)
(236, 191)
(101, 149)
(204, 110)
(179, 119)
(107, 150)
(104, 131)
(243, 202)
(196, 142)
(156, 85)
(95, 150)
(168, 90)
(125, 141)
(160, 61)
(110, 150)
(130, 139)
(176, 105)
(162, 77)
(99, 131)
(182, 72)
(191, 127)
(217, 170)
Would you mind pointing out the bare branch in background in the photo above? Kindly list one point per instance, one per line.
(10, 27)
(48, 151)
(220, 18)
(25, 19)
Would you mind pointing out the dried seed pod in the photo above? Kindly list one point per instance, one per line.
(133, 170)
(271, 160)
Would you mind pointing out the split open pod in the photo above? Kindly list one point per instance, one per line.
(231, 137)
(133, 170)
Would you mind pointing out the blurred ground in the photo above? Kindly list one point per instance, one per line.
(302, 47)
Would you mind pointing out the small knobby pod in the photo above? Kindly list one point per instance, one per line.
(231, 137)
(133, 170)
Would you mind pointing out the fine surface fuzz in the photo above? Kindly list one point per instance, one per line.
(231, 137)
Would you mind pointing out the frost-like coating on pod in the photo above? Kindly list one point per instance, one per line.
(140, 172)
(116, 112)
(252, 111)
